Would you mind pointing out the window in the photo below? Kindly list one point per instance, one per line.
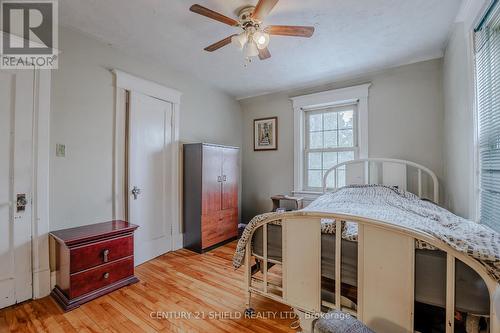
(330, 139)
(330, 127)
(487, 49)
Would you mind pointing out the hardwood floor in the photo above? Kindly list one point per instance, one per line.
(171, 288)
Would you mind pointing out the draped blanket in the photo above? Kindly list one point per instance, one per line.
(400, 208)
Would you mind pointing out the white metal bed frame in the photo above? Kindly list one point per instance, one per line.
(394, 275)
(366, 162)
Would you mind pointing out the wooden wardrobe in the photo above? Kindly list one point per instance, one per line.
(210, 195)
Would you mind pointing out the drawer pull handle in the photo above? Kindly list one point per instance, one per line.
(105, 255)
(106, 275)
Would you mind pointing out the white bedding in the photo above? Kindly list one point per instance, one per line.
(400, 208)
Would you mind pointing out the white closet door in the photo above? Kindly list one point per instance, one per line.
(150, 140)
(16, 168)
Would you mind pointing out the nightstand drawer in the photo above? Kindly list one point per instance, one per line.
(98, 253)
(101, 276)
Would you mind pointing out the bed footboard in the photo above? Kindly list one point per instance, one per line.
(386, 271)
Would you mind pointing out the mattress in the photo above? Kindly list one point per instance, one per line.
(430, 272)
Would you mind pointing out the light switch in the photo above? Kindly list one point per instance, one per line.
(60, 150)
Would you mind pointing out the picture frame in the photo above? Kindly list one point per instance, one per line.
(265, 134)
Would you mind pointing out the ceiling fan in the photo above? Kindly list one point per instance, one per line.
(254, 38)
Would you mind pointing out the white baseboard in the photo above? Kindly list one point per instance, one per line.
(177, 241)
(52, 280)
(42, 283)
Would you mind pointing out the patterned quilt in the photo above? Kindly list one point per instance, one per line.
(401, 208)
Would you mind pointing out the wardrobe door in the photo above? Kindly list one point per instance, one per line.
(230, 178)
(211, 180)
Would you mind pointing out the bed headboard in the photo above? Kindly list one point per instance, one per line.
(385, 171)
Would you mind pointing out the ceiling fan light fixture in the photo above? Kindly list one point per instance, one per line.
(240, 40)
(261, 39)
(253, 38)
(251, 49)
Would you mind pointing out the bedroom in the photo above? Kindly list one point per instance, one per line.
(107, 127)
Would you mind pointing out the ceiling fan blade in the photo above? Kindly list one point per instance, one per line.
(213, 15)
(219, 44)
(264, 54)
(290, 30)
(263, 8)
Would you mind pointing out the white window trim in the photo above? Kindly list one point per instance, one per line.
(470, 13)
(356, 94)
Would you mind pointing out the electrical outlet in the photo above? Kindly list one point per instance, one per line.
(60, 150)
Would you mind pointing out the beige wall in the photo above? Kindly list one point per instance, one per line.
(82, 118)
(405, 121)
(459, 124)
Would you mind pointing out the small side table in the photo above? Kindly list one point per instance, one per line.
(298, 202)
(92, 261)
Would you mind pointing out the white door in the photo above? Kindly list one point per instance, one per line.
(150, 170)
(16, 168)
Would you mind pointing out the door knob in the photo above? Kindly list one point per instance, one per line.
(135, 192)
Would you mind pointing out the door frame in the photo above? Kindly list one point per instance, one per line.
(41, 183)
(40, 268)
(124, 82)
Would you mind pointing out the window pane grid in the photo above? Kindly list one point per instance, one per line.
(330, 139)
(319, 135)
(320, 163)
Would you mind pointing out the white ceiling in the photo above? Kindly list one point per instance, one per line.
(352, 37)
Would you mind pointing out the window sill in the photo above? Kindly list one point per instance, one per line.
(307, 195)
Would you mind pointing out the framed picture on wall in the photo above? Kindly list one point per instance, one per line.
(265, 134)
